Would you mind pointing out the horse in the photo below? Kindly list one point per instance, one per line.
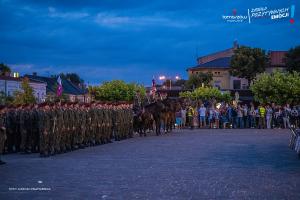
(156, 109)
(168, 115)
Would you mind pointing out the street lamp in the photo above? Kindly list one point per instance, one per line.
(163, 77)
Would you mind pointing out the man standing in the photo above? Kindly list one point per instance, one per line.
(190, 115)
(262, 114)
(294, 117)
(286, 116)
(35, 129)
(246, 116)
(2, 131)
(269, 114)
(11, 129)
(44, 129)
(202, 114)
(183, 116)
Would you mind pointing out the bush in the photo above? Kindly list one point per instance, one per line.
(206, 93)
(116, 90)
(277, 87)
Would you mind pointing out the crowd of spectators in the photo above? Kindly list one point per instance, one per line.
(238, 116)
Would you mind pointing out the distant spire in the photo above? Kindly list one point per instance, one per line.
(196, 53)
(235, 44)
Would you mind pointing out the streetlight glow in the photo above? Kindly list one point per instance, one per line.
(162, 77)
(177, 77)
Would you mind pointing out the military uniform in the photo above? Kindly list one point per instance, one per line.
(10, 130)
(35, 130)
(2, 135)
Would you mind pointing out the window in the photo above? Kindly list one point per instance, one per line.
(245, 87)
(236, 84)
(217, 84)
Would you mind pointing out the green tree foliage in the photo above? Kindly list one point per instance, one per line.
(116, 90)
(26, 95)
(292, 59)
(4, 69)
(206, 93)
(277, 87)
(247, 62)
(196, 80)
(73, 77)
(180, 82)
(4, 100)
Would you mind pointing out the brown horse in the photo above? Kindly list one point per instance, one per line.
(156, 109)
(168, 115)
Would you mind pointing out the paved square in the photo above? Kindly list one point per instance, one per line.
(198, 164)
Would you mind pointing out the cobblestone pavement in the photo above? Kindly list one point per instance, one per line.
(198, 164)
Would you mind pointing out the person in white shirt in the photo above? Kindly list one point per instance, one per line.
(202, 115)
(183, 116)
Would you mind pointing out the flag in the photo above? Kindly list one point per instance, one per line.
(59, 87)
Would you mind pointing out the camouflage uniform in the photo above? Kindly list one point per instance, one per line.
(35, 130)
(23, 119)
(52, 134)
(11, 129)
(88, 135)
(58, 146)
(2, 134)
(82, 122)
(44, 129)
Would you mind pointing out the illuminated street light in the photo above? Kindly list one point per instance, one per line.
(168, 79)
(162, 77)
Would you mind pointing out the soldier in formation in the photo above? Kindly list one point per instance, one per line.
(2, 131)
(53, 128)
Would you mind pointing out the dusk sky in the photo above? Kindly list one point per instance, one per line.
(132, 40)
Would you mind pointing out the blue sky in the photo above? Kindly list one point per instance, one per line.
(132, 40)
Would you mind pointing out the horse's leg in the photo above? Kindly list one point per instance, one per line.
(157, 123)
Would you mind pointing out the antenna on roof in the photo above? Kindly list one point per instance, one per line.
(235, 43)
(196, 53)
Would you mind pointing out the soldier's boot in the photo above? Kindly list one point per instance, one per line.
(2, 162)
(44, 153)
(52, 151)
(68, 147)
(58, 150)
(63, 148)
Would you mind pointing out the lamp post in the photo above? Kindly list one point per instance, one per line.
(163, 77)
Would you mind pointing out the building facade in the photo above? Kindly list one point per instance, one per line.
(9, 85)
(72, 92)
(219, 64)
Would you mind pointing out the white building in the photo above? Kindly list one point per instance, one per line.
(9, 85)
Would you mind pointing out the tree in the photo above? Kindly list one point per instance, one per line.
(292, 59)
(116, 90)
(206, 93)
(4, 69)
(73, 77)
(25, 95)
(196, 80)
(277, 87)
(247, 62)
(4, 100)
(180, 82)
